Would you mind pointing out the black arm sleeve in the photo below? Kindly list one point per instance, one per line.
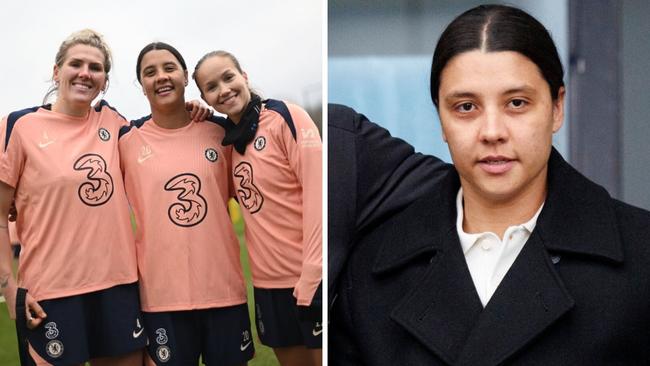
(371, 175)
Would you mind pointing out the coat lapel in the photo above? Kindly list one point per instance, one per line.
(530, 299)
(443, 311)
(442, 308)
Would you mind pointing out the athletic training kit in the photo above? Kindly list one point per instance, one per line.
(178, 182)
(278, 184)
(221, 336)
(277, 177)
(76, 238)
(191, 281)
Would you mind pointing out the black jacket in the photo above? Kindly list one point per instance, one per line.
(577, 294)
(370, 176)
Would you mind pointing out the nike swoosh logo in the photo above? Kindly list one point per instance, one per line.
(244, 346)
(316, 332)
(137, 334)
(45, 144)
(143, 158)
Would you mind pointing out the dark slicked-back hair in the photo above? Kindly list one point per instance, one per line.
(494, 28)
(158, 46)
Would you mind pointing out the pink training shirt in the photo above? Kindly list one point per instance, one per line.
(73, 219)
(279, 187)
(178, 184)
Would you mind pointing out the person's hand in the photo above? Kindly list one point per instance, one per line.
(34, 313)
(198, 111)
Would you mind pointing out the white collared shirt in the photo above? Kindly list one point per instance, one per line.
(488, 257)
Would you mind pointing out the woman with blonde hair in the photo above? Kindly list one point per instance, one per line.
(76, 297)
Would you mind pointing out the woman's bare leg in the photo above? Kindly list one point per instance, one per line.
(131, 359)
(294, 356)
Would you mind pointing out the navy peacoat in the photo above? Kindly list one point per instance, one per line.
(577, 294)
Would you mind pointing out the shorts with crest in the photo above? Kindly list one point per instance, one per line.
(221, 336)
(282, 323)
(78, 328)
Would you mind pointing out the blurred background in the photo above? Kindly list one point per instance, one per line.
(278, 44)
(380, 58)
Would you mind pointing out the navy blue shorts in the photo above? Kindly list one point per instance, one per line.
(280, 322)
(222, 336)
(103, 323)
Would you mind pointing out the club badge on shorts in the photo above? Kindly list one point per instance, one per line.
(53, 348)
(163, 353)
